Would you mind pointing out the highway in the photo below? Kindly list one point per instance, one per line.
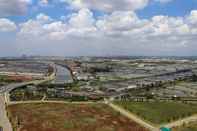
(11, 87)
(4, 121)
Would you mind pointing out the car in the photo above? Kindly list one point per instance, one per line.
(165, 129)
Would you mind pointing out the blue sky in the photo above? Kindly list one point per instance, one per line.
(173, 8)
(104, 27)
(56, 10)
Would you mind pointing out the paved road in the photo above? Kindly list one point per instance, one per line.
(133, 117)
(10, 87)
(181, 122)
(4, 121)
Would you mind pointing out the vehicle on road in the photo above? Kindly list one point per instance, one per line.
(165, 129)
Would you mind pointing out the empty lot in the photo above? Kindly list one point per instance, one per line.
(69, 117)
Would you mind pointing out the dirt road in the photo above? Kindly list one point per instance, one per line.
(181, 122)
(133, 117)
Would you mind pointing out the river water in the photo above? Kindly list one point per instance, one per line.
(62, 75)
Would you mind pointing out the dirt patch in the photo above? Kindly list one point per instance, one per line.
(69, 117)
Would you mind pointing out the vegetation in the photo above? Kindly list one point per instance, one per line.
(4, 78)
(159, 112)
(187, 127)
(68, 117)
(24, 93)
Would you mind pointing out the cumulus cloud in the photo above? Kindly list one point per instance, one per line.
(163, 1)
(82, 19)
(43, 2)
(120, 23)
(119, 32)
(169, 25)
(108, 5)
(43, 18)
(7, 25)
(193, 17)
(192, 21)
(81, 23)
(42, 28)
(13, 7)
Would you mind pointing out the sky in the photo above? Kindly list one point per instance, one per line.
(98, 27)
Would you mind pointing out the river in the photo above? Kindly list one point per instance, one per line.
(63, 75)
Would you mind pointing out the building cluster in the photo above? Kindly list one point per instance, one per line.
(23, 70)
(114, 69)
(99, 77)
(155, 81)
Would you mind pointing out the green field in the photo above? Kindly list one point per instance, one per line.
(187, 127)
(159, 112)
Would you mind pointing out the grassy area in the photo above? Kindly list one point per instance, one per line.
(69, 117)
(187, 127)
(159, 112)
(3, 78)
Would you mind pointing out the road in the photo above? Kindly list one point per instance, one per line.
(4, 121)
(57, 102)
(181, 121)
(133, 117)
(10, 87)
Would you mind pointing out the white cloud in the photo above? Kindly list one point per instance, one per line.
(192, 21)
(120, 23)
(31, 28)
(82, 19)
(42, 18)
(163, 1)
(193, 17)
(13, 7)
(117, 23)
(120, 31)
(7, 25)
(55, 30)
(43, 2)
(108, 5)
(81, 23)
(42, 28)
(165, 25)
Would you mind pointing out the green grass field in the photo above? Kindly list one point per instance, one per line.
(159, 112)
(187, 127)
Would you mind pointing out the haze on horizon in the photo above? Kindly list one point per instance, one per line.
(103, 27)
